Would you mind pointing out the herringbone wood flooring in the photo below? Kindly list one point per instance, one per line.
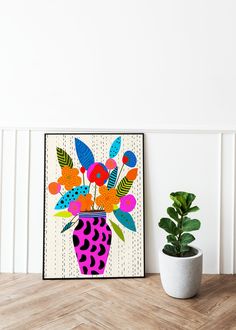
(27, 302)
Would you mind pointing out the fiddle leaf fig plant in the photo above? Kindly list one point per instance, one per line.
(178, 225)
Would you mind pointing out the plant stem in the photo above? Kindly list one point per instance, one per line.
(119, 175)
(94, 195)
(83, 179)
(180, 224)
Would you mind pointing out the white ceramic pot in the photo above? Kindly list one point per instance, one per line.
(181, 276)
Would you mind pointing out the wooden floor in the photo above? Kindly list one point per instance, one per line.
(27, 302)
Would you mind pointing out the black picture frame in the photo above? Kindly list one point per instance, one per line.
(44, 199)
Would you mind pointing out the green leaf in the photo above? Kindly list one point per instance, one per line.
(194, 209)
(172, 239)
(186, 238)
(190, 225)
(63, 158)
(117, 230)
(63, 214)
(170, 250)
(67, 226)
(168, 225)
(190, 199)
(172, 213)
(184, 248)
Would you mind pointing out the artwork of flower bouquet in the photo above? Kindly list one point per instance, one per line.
(87, 212)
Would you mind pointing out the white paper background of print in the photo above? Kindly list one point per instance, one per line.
(125, 259)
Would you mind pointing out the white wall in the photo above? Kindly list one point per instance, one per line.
(153, 66)
(203, 163)
(121, 64)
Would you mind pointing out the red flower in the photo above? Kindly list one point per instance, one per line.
(97, 173)
(82, 170)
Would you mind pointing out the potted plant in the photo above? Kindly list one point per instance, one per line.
(180, 263)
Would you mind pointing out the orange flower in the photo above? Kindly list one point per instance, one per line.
(86, 202)
(107, 198)
(69, 177)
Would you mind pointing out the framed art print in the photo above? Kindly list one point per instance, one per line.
(93, 205)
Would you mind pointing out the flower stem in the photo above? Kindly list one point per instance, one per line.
(94, 195)
(83, 179)
(119, 175)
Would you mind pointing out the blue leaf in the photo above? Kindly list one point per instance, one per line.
(84, 154)
(112, 178)
(71, 195)
(125, 219)
(115, 147)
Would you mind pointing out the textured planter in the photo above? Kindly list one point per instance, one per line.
(181, 276)
(92, 239)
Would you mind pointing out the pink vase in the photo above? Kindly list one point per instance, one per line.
(92, 239)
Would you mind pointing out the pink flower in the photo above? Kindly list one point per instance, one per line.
(74, 207)
(127, 203)
(110, 163)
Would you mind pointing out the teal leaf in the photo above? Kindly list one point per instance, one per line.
(115, 147)
(71, 195)
(67, 226)
(84, 154)
(112, 178)
(125, 219)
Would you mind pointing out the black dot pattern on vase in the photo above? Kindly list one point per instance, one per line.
(75, 240)
(80, 225)
(103, 237)
(93, 272)
(108, 228)
(102, 250)
(83, 258)
(109, 239)
(94, 248)
(101, 265)
(95, 222)
(96, 235)
(92, 261)
(85, 246)
(87, 230)
(103, 221)
(85, 269)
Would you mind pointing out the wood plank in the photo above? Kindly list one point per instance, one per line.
(113, 304)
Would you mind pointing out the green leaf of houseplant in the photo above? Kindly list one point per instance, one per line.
(172, 213)
(190, 225)
(194, 209)
(170, 250)
(168, 225)
(190, 199)
(172, 239)
(186, 238)
(63, 214)
(117, 230)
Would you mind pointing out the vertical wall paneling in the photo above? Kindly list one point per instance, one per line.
(203, 163)
(186, 162)
(35, 246)
(1, 163)
(220, 150)
(8, 201)
(233, 238)
(227, 203)
(21, 205)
